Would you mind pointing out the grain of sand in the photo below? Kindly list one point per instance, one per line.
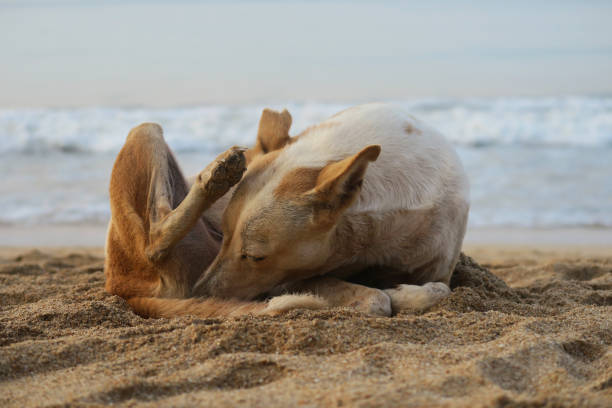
(543, 339)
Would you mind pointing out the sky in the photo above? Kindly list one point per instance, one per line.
(167, 53)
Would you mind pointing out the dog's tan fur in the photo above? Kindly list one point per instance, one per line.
(157, 243)
(283, 227)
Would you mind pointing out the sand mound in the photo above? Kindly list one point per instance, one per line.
(542, 341)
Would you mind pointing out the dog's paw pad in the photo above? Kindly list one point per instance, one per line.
(225, 171)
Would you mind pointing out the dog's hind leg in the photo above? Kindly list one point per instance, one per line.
(157, 243)
(214, 181)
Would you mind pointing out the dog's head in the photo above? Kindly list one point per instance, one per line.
(278, 226)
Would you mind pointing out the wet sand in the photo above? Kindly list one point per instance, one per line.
(527, 328)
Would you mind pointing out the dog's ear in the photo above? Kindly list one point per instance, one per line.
(273, 132)
(339, 183)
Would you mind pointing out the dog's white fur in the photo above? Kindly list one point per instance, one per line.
(284, 303)
(417, 176)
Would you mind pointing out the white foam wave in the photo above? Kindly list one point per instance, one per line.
(531, 162)
(584, 121)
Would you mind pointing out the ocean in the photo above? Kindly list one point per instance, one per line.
(532, 162)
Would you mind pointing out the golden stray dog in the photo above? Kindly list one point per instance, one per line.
(367, 209)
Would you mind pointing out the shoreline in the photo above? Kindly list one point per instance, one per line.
(93, 236)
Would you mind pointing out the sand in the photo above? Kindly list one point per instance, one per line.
(526, 329)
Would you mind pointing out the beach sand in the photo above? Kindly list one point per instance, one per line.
(528, 328)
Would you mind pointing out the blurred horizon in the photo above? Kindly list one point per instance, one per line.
(176, 53)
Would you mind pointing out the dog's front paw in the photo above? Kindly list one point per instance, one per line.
(413, 298)
(284, 303)
(225, 171)
(374, 302)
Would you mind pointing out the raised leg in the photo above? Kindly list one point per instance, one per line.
(170, 226)
(157, 243)
(337, 292)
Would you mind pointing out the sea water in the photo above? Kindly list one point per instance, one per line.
(532, 162)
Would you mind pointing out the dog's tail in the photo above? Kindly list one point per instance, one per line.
(211, 307)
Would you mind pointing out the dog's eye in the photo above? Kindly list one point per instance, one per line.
(252, 258)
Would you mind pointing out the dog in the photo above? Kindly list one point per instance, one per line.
(367, 209)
